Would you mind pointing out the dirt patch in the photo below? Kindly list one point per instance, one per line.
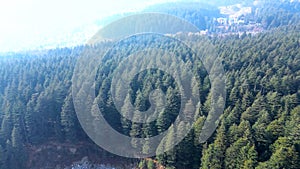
(60, 155)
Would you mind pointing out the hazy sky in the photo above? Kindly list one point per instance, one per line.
(24, 20)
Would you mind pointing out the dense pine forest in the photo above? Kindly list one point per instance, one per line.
(260, 126)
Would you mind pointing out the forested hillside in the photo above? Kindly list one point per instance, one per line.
(262, 15)
(260, 127)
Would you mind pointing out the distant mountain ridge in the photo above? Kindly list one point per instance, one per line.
(204, 14)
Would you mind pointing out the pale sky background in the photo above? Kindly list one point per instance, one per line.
(24, 23)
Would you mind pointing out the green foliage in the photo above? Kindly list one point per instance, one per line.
(260, 125)
(69, 120)
(284, 155)
(215, 154)
(150, 164)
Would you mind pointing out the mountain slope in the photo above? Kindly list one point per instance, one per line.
(259, 128)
